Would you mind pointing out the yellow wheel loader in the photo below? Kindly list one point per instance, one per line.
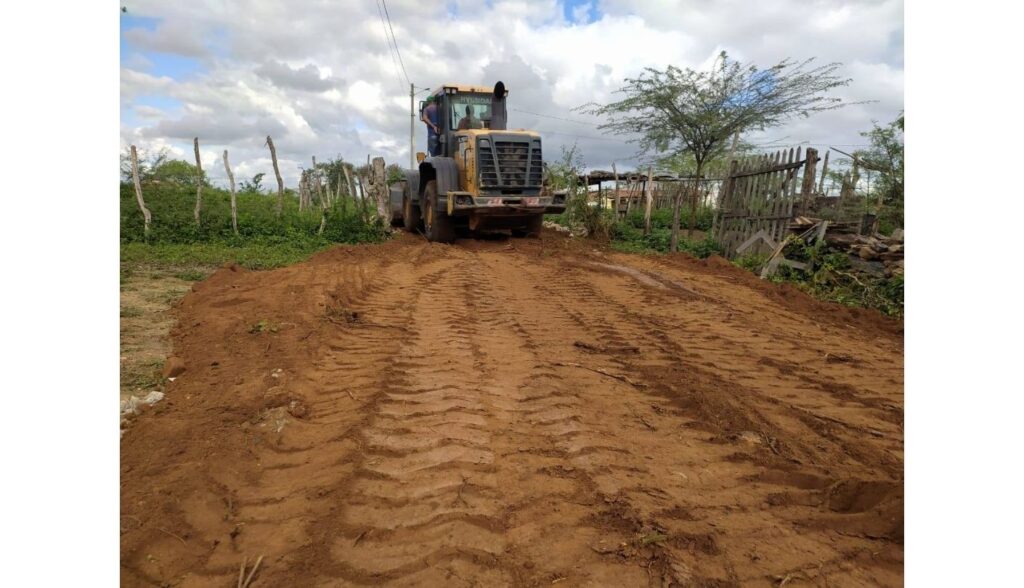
(486, 177)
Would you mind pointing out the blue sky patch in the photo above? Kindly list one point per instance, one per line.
(174, 66)
(570, 7)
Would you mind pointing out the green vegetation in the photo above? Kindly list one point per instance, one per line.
(696, 117)
(885, 156)
(264, 240)
(581, 215)
(830, 277)
(628, 235)
(264, 326)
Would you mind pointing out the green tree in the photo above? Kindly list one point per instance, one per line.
(160, 168)
(177, 172)
(254, 186)
(395, 173)
(564, 173)
(698, 112)
(885, 156)
(146, 164)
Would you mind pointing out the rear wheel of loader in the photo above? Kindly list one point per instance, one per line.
(410, 212)
(437, 225)
(532, 228)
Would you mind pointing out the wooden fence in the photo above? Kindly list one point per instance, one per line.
(759, 197)
(628, 191)
(371, 186)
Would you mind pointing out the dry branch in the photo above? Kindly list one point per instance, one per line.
(619, 377)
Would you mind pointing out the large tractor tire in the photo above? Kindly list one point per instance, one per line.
(411, 219)
(438, 226)
(531, 229)
(397, 220)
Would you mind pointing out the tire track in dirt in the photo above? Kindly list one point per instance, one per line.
(616, 325)
(514, 414)
(424, 491)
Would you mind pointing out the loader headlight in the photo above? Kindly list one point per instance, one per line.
(463, 200)
(558, 199)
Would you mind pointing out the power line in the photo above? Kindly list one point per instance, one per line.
(387, 40)
(584, 136)
(394, 40)
(579, 122)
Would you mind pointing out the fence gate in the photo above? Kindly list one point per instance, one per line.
(758, 199)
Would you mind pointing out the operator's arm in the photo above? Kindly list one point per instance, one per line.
(423, 117)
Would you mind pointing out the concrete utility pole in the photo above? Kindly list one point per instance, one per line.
(412, 127)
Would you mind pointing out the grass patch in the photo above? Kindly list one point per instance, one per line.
(140, 377)
(628, 236)
(185, 257)
(264, 326)
(192, 275)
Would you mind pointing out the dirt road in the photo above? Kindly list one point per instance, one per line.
(518, 413)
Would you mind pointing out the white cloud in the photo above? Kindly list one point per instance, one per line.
(319, 77)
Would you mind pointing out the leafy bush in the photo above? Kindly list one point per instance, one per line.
(662, 218)
(631, 239)
(264, 240)
(173, 222)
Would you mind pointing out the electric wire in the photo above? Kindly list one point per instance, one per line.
(395, 41)
(387, 40)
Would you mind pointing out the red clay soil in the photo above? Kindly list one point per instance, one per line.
(517, 413)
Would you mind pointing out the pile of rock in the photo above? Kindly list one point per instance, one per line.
(881, 253)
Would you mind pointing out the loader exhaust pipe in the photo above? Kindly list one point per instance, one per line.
(499, 116)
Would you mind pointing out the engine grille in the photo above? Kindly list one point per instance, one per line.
(510, 164)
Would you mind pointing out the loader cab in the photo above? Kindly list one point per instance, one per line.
(468, 107)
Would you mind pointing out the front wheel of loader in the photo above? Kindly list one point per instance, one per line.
(436, 224)
(410, 212)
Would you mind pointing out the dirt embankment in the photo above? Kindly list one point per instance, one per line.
(517, 413)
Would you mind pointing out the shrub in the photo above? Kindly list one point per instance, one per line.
(173, 222)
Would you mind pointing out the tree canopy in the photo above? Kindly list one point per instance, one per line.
(160, 168)
(885, 156)
(697, 112)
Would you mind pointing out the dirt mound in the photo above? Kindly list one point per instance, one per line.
(865, 320)
(516, 413)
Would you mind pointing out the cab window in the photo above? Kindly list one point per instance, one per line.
(470, 111)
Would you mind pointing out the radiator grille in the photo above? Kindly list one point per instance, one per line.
(510, 164)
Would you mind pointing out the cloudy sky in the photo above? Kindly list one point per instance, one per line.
(320, 78)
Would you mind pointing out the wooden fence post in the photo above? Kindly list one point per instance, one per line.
(379, 188)
(350, 186)
(362, 192)
(677, 196)
(199, 180)
(316, 178)
(323, 202)
(234, 202)
(807, 188)
(693, 207)
(648, 199)
(138, 191)
(824, 173)
(277, 172)
(724, 196)
(615, 172)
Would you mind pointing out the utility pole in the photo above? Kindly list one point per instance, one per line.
(412, 127)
